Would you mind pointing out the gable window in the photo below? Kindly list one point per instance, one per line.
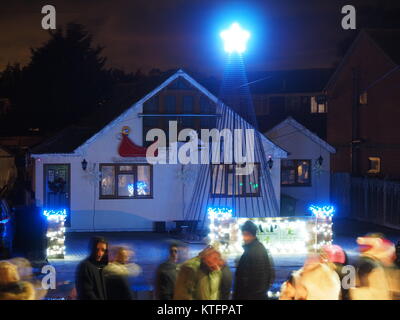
(126, 181)
(374, 165)
(226, 183)
(170, 104)
(296, 173)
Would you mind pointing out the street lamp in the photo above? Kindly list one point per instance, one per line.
(235, 38)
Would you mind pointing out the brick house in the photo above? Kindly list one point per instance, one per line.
(363, 97)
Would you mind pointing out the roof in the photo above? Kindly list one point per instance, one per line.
(74, 139)
(300, 128)
(289, 81)
(388, 40)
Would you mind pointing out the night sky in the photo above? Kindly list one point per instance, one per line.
(185, 33)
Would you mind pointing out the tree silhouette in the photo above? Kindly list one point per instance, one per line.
(65, 80)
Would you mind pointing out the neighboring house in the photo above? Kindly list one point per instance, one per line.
(363, 98)
(8, 170)
(296, 93)
(103, 178)
(305, 174)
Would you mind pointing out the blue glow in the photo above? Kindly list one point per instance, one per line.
(49, 213)
(322, 212)
(219, 213)
(141, 188)
(235, 38)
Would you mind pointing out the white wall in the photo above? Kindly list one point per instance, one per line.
(300, 146)
(89, 213)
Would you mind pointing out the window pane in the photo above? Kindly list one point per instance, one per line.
(143, 183)
(125, 168)
(231, 175)
(170, 104)
(188, 103)
(107, 180)
(314, 105)
(288, 176)
(303, 172)
(125, 185)
(151, 105)
(252, 181)
(239, 183)
(218, 179)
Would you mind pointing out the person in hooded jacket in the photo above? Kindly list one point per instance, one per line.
(255, 270)
(89, 280)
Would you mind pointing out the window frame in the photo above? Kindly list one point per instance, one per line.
(244, 194)
(118, 172)
(378, 160)
(297, 184)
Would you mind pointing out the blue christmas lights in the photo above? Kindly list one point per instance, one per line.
(219, 213)
(49, 213)
(322, 212)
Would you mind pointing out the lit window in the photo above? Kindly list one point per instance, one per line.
(125, 181)
(374, 165)
(318, 105)
(364, 98)
(296, 173)
(226, 183)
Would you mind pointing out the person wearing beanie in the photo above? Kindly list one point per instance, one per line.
(255, 270)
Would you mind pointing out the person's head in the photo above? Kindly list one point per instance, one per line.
(123, 255)
(212, 259)
(173, 252)
(8, 273)
(249, 232)
(99, 250)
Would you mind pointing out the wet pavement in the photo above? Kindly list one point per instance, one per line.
(151, 249)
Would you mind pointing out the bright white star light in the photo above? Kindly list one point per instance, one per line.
(235, 38)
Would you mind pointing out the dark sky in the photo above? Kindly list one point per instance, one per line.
(185, 33)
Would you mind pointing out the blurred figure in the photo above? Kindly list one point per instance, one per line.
(337, 258)
(166, 275)
(255, 271)
(117, 274)
(317, 280)
(377, 253)
(89, 280)
(25, 271)
(200, 278)
(11, 286)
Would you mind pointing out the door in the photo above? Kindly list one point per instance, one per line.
(57, 188)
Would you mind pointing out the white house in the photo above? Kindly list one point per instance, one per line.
(103, 178)
(305, 174)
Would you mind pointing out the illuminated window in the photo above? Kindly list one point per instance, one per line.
(374, 165)
(296, 173)
(318, 105)
(226, 183)
(125, 181)
(364, 98)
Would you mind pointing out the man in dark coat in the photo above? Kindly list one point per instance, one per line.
(166, 276)
(255, 271)
(89, 280)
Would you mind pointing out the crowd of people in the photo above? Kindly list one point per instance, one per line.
(326, 275)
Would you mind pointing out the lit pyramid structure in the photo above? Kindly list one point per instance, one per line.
(245, 196)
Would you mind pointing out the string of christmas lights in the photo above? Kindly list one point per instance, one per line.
(55, 233)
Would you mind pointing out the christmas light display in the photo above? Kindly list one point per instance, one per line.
(55, 233)
(280, 235)
(323, 232)
(141, 188)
